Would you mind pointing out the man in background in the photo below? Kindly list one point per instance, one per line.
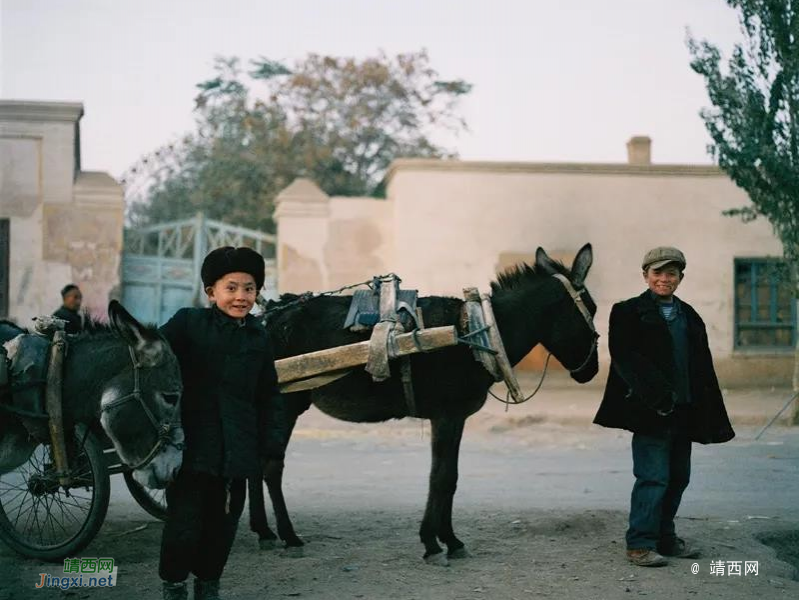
(71, 300)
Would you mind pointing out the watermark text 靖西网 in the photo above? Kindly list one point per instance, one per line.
(734, 568)
(89, 572)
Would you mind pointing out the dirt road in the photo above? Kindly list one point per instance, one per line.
(541, 507)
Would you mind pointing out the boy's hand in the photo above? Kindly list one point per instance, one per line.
(666, 407)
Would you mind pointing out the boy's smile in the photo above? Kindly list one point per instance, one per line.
(234, 294)
(663, 282)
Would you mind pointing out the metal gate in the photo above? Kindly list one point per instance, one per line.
(161, 264)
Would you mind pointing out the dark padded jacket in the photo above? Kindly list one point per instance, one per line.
(230, 405)
(74, 322)
(640, 388)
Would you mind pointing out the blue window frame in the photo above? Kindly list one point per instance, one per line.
(765, 309)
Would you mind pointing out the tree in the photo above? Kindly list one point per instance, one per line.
(754, 120)
(339, 121)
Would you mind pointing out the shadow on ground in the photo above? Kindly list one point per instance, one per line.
(786, 544)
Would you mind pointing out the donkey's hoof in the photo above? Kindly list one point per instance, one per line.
(267, 544)
(439, 559)
(293, 541)
(461, 552)
(294, 551)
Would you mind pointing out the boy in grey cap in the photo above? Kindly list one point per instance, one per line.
(663, 388)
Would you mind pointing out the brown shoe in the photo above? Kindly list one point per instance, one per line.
(681, 549)
(643, 557)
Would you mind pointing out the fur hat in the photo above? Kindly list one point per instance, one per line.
(228, 259)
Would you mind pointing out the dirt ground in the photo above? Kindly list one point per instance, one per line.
(540, 506)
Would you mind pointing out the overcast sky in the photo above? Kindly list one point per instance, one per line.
(565, 80)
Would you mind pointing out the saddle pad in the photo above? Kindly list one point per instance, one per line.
(364, 312)
(29, 355)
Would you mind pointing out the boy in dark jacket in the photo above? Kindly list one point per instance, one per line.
(229, 393)
(663, 388)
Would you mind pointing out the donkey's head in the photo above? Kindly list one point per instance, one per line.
(140, 408)
(570, 334)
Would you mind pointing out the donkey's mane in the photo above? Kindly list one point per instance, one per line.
(522, 275)
(284, 299)
(97, 330)
(94, 329)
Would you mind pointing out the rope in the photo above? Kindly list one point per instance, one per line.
(507, 401)
(306, 296)
(774, 418)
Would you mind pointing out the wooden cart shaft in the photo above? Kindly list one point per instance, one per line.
(342, 358)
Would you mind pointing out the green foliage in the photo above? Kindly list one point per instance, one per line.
(338, 121)
(754, 120)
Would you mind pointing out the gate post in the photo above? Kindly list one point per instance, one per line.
(200, 250)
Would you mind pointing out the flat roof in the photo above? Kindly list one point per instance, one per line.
(478, 166)
(35, 110)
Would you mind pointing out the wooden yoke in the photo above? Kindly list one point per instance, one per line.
(388, 299)
(502, 357)
(475, 323)
(383, 333)
(55, 377)
(383, 346)
(333, 360)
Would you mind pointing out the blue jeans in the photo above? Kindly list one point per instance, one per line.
(662, 469)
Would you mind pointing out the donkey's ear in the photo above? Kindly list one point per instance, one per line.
(544, 263)
(147, 345)
(582, 263)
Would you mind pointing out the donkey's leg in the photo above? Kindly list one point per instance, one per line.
(273, 475)
(455, 547)
(281, 418)
(258, 520)
(447, 433)
(289, 411)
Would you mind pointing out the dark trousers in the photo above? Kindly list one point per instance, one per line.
(662, 469)
(202, 517)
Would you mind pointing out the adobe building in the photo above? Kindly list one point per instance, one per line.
(58, 224)
(450, 224)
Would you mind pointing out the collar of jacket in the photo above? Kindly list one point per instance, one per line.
(228, 321)
(648, 308)
(676, 302)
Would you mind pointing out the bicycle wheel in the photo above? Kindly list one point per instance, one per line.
(39, 518)
(153, 501)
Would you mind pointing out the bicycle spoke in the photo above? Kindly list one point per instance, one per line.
(26, 513)
(22, 504)
(21, 491)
